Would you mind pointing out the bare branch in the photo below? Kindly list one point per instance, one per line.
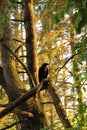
(23, 98)
(58, 106)
(71, 57)
(3, 105)
(17, 20)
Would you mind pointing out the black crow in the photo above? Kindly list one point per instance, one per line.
(43, 71)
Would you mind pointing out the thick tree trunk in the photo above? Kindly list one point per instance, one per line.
(31, 45)
(8, 64)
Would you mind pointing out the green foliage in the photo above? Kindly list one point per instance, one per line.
(75, 65)
(80, 118)
(6, 14)
(55, 126)
(81, 48)
(24, 2)
(50, 3)
(47, 128)
(4, 18)
(56, 17)
(13, 1)
(79, 18)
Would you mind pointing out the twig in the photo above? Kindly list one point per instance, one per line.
(17, 20)
(71, 57)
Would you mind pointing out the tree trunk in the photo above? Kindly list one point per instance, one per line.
(31, 46)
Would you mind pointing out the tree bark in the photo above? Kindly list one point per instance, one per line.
(58, 106)
(31, 47)
(31, 43)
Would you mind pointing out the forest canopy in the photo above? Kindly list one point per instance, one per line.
(33, 32)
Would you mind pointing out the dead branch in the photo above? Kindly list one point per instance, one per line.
(58, 106)
(71, 57)
(3, 105)
(17, 20)
(24, 98)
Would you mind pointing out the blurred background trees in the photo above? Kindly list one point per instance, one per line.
(61, 41)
